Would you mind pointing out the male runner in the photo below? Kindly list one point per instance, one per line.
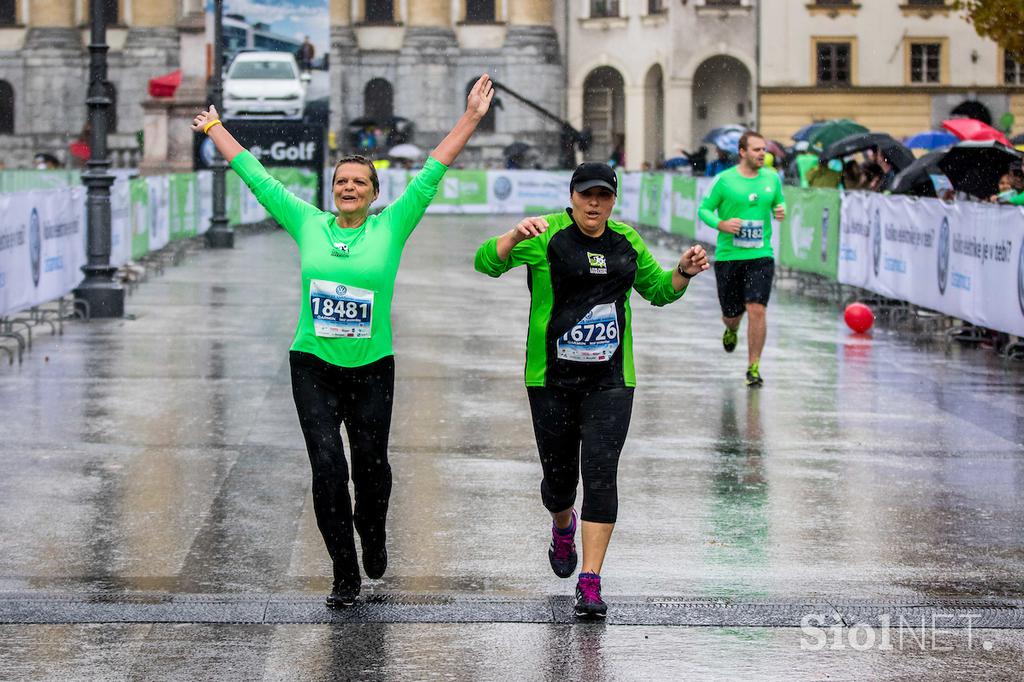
(740, 205)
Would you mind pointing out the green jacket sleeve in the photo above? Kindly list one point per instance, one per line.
(407, 210)
(286, 208)
(652, 281)
(709, 206)
(1017, 200)
(523, 253)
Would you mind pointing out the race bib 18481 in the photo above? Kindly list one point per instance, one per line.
(340, 310)
(592, 339)
(751, 235)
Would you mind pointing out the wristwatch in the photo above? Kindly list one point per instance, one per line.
(684, 273)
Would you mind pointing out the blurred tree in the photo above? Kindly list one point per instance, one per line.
(998, 20)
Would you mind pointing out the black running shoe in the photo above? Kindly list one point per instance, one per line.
(588, 597)
(754, 379)
(341, 596)
(729, 338)
(375, 561)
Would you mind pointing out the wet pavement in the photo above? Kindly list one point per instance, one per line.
(156, 522)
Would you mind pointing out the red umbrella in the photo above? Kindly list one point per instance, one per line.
(973, 129)
(164, 86)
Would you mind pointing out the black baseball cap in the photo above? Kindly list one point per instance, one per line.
(589, 175)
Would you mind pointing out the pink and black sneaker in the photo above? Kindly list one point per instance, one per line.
(588, 597)
(562, 552)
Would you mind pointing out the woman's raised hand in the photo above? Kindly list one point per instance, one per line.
(479, 99)
(204, 117)
(528, 228)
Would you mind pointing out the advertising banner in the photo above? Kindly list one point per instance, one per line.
(649, 206)
(683, 215)
(526, 192)
(159, 220)
(205, 181)
(139, 190)
(42, 246)
(627, 204)
(120, 222)
(809, 236)
(961, 259)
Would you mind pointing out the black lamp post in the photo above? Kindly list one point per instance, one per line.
(104, 295)
(220, 235)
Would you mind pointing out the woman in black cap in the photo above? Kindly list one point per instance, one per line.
(579, 356)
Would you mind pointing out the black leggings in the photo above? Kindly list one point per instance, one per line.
(581, 430)
(325, 396)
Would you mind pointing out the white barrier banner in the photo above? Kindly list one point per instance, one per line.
(961, 259)
(527, 192)
(205, 179)
(627, 204)
(42, 246)
(120, 222)
(705, 233)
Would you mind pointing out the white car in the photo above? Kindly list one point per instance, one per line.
(264, 85)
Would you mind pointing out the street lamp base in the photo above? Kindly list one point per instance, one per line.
(220, 239)
(105, 299)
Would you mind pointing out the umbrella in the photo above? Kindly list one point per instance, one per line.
(677, 162)
(777, 150)
(406, 151)
(973, 129)
(726, 138)
(858, 142)
(916, 179)
(931, 139)
(833, 131)
(807, 131)
(899, 157)
(1019, 139)
(515, 150)
(975, 167)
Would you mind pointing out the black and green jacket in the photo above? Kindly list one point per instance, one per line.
(569, 275)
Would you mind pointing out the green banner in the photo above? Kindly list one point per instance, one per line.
(809, 236)
(299, 181)
(460, 187)
(184, 194)
(139, 192)
(650, 199)
(683, 219)
(233, 197)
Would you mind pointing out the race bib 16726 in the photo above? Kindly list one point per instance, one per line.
(592, 339)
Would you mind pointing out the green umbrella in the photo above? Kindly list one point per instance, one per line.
(833, 131)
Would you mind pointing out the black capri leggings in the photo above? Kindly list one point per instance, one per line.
(325, 396)
(581, 431)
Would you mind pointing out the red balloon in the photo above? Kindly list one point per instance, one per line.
(859, 317)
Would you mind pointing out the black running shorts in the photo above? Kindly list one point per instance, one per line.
(743, 281)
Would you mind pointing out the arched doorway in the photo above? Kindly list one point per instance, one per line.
(604, 112)
(378, 101)
(654, 116)
(721, 95)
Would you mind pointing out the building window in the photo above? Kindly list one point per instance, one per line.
(486, 124)
(925, 62)
(1013, 70)
(834, 3)
(378, 101)
(110, 13)
(480, 12)
(6, 108)
(723, 3)
(833, 64)
(8, 15)
(926, 3)
(656, 7)
(380, 12)
(604, 8)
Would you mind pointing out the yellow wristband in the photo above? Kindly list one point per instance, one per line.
(206, 128)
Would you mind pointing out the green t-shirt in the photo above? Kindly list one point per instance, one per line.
(1017, 199)
(749, 199)
(348, 274)
(804, 163)
(580, 316)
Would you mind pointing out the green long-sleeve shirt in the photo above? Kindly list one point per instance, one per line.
(348, 274)
(580, 319)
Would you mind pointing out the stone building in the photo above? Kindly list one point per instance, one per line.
(654, 76)
(408, 58)
(900, 67)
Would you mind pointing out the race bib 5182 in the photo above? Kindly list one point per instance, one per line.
(340, 310)
(751, 235)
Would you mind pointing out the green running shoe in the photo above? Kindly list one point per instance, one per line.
(729, 340)
(754, 379)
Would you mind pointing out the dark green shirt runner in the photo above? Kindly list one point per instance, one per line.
(348, 274)
(733, 195)
(580, 332)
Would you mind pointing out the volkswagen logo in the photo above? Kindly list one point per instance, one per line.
(943, 251)
(340, 290)
(876, 241)
(1020, 278)
(35, 246)
(502, 188)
